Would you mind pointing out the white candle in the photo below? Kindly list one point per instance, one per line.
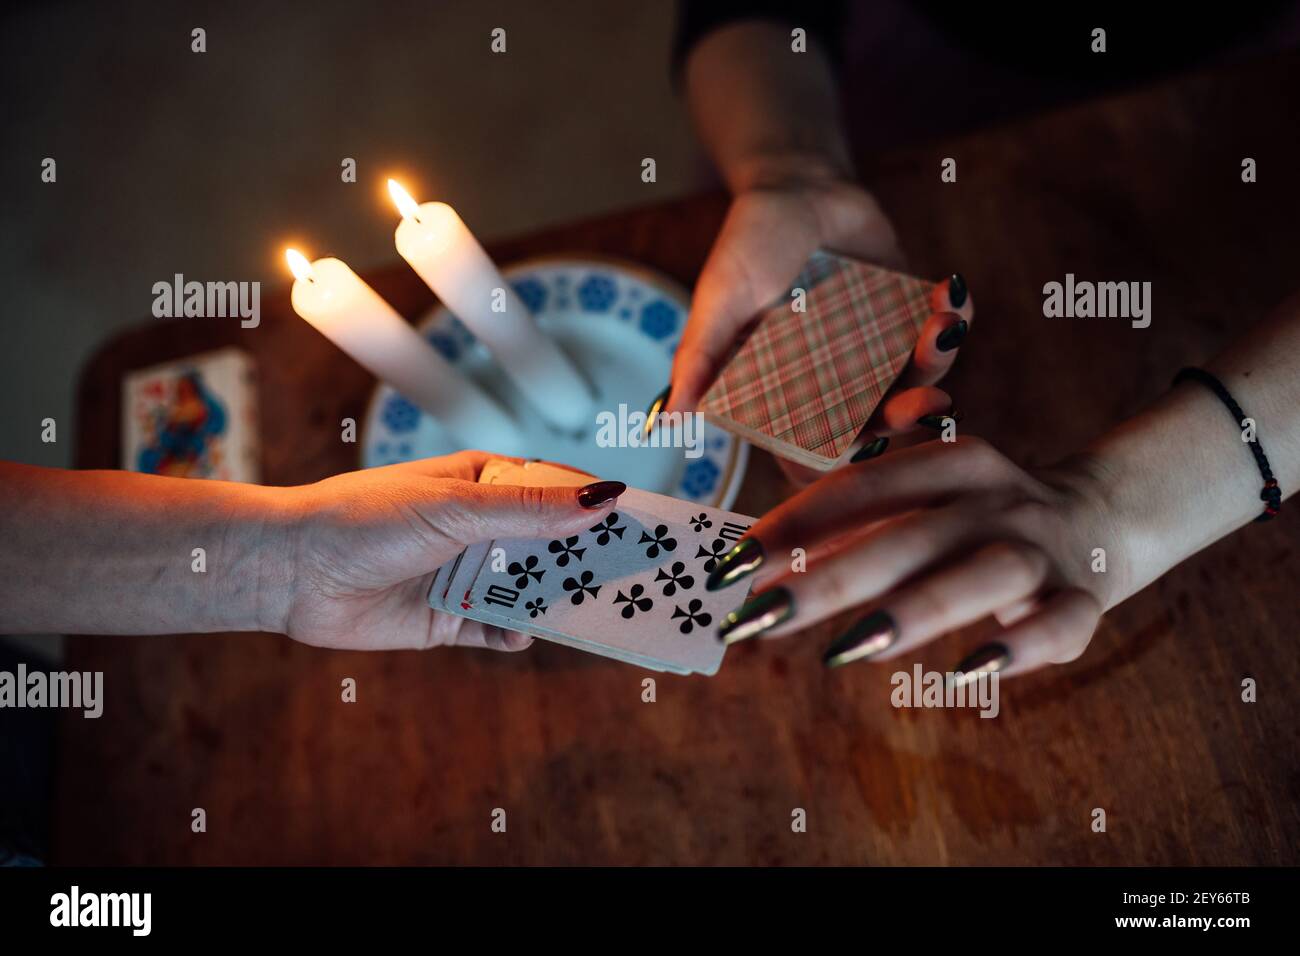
(354, 317)
(439, 246)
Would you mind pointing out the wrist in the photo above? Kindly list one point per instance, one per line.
(1101, 533)
(787, 168)
(763, 115)
(271, 534)
(1161, 486)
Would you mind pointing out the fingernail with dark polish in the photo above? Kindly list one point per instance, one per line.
(737, 563)
(870, 636)
(656, 406)
(871, 449)
(989, 659)
(952, 336)
(937, 422)
(598, 492)
(758, 614)
(956, 290)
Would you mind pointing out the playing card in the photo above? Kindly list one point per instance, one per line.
(536, 626)
(663, 526)
(577, 643)
(195, 418)
(536, 473)
(438, 590)
(457, 576)
(632, 584)
(804, 384)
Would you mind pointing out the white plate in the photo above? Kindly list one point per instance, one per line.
(621, 324)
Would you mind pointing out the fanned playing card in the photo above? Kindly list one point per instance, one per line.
(634, 582)
(804, 384)
(630, 587)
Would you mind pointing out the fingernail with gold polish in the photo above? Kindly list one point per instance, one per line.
(598, 492)
(989, 659)
(656, 406)
(870, 636)
(758, 614)
(737, 563)
(871, 449)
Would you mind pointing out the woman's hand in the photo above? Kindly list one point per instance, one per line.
(927, 541)
(364, 547)
(768, 235)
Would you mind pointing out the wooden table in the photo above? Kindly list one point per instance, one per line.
(1148, 725)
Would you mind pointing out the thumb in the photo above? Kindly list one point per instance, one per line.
(750, 266)
(476, 512)
(721, 307)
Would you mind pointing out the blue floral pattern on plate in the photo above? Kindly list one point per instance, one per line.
(701, 478)
(532, 292)
(659, 320)
(400, 415)
(597, 293)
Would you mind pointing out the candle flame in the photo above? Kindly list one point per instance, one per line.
(298, 264)
(407, 206)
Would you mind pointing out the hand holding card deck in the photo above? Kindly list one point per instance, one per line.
(631, 587)
(804, 384)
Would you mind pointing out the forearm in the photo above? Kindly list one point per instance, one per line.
(765, 113)
(102, 552)
(1179, 477)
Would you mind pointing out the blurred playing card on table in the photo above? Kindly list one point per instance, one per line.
(804, 384)
(194, 418)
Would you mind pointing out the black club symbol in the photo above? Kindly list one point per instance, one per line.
(535, 607)
(565, 548)
(659, 542)
(713, 552)
(607, 527)
(634, 601)
(701, 521)
(675, 578)
(581, 587)
(693, 615)
(524, 571)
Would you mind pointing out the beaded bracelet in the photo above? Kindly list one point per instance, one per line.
(1270, 494)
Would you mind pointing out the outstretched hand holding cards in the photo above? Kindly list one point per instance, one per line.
(630, 587)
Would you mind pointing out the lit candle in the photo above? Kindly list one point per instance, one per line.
(354, 317)
(445, 254)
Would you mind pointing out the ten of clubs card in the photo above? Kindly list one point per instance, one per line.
(631, 587)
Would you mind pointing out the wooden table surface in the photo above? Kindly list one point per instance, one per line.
(1149, 724)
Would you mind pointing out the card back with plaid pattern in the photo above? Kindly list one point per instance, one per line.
(803, 385)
